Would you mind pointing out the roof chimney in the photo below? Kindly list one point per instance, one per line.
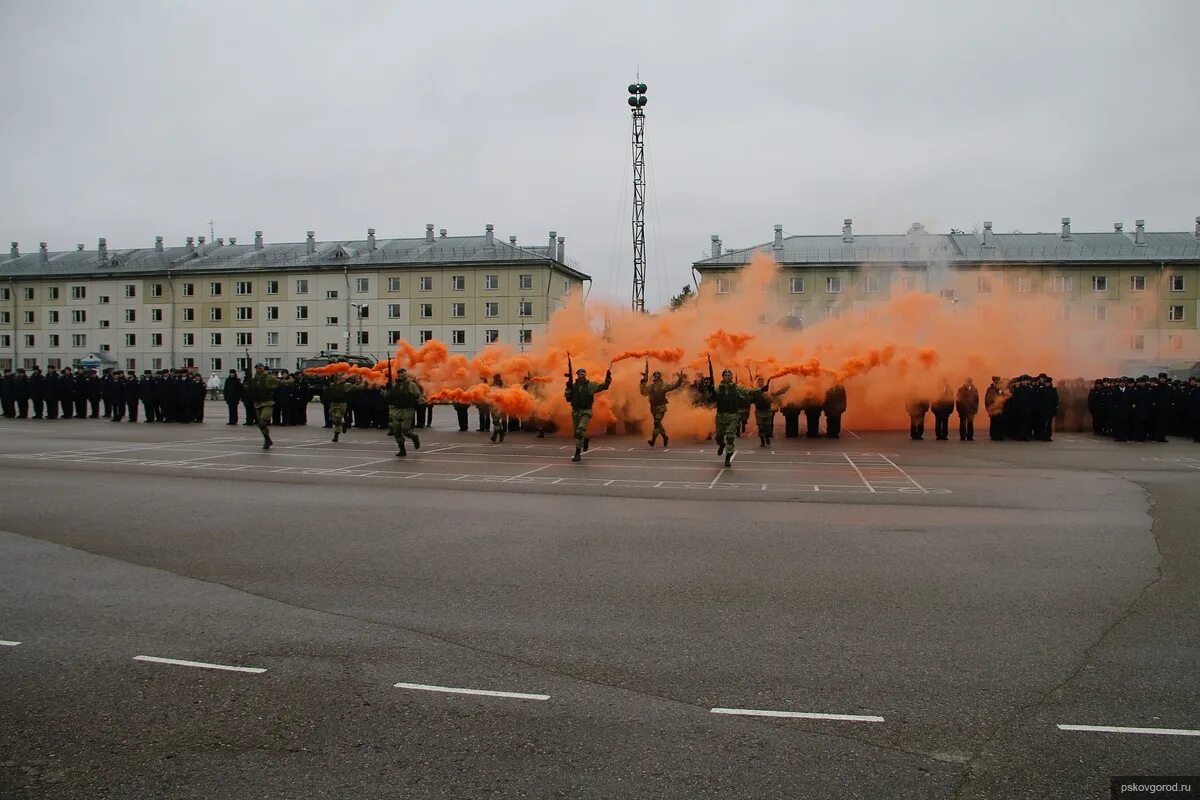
(778, 244)
(429, 233)
(158, 244)
(191, 245)
(847, 230)
(258, 245)
(512, 240)
(1197, 228)
(79, 247)
(1139, 233)
(371, 239)
(45, 253)
(102, 250)
(716, 245)
(14, 250)
(1066, 227)
(220, 241)
(232, 241)
(489, 237)
(987, 234)
(310, 244)
(553, 244)
(562, 249)
(441, 233)
(1118, 227)
(201, 240)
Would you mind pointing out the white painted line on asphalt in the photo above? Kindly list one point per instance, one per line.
(754, 712)
(714, 480)
(852, 433)
(8, 644)
(530, 472)
(180, 663)
(483, 692)
(1109, 729)
(861, 477)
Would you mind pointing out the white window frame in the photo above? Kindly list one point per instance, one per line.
(302, 286)
(426, 336)
(525, 281)
(272, 312)
(156, 340)
(491, 309)
(525, 336)
(724, 285)
(272, 287)
(244, 338)
(215, 288)
(214, 314)
(302, 338)
(458, 283)
(243, 288)
(525, 308)
(302, 312)
(1176, 313)
(395, 310)
(394, 284)
(189, 314)
(491, 335)
(272, 338)
(244, 313)
(1176, 283)
(331, 294)
(1099, 283)
(425, 311)
(1100, 313)
(458, 337)
(1022, 283)
(131, 315)
(491, 283)
(796, 281)
(130, 290)
(833, 284)
(78, 340)
(189, 339)
(458, 310)
(362, 285)
(215, 339)
(1137, 342)
(1060, 283)
(1137, 283)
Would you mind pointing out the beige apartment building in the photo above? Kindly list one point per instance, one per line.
(206, 304)
(1132, 296)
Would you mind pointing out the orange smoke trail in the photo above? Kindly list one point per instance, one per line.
(669, 355)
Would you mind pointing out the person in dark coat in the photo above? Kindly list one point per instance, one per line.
(282, 413)
(461, 409)
(132, 392)
(106, 393)
(1160, 414)
(66, 393)
(966, 404)
(835, 406)
(943, 407)
(233, 392)
(1045, 407)
(37, 392)
(1192, 405)
(917, 407)
(118, 396)
(197, 394)
(81, 393)
(21, 393)
(812, 416)
(51, 393)
(148, 394)
(7, 407)
(94, 391)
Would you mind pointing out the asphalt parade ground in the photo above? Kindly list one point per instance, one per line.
(185, 615)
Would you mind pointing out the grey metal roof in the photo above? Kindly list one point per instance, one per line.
(294, 256)
(967, 249)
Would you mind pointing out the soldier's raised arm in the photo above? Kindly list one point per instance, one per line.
(607, 382)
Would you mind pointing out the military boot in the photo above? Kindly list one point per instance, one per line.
(652, 440)
(586, 442)
(576, 457)
(666, 442)
(416, 442)
(336, 432)
(720, 448)
(494, 433)
(729, 459)
(401, 452)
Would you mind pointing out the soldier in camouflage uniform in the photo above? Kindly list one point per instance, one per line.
(499, 417)
(402, 397)
(728, 394)
(657, 391)
(261, 390)
(764, 412)
(337, 393)
(581, 394)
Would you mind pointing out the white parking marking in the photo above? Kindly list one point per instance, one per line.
(180, 663)
(8, 644)
(1111, 729)
(483, 692)
(756, 712)
(530, 472)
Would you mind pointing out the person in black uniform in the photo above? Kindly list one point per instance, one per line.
(233, 393)
(461, 410)
(106, 393)
(943, 407)
(94, 391)
(37, 391)
(21, 393)
(994, 401)
(811, 406)
(66, 393)
(148, 394)
(917, 407)
(835, 406)
(118, 396)
(81, 393)
(966, 404)
(485, 412)
(1160, 415)
(131, 392)
(1095, 404)
(199, 393)
(7, 407)
(1045, 398)
(51, 393)
(1192, 404)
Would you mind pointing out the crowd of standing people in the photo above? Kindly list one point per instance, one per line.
(117, 395)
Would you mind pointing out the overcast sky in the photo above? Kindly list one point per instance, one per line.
(131, 119)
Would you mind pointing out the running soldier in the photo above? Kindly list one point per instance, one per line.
(729, 396)
(581, 394)
(261, 390)
(402, 397)
(499, 418)
(764, 412)
(657, 392)
(337, 393)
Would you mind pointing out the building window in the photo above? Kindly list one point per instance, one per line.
(491, 309)
(156, 340)
(131, 340)
(6, 318)
(214, 288)
(833, 285)
(28, 317)
(130, 290)
(1175, 283)
(872, 285)
(491, 336)
(393, 284)
(1060, 283)
(189, 340)
(104, 348)
(331, 346)
(130, 315)
(1099, 283)
(458, 283)
(1174, 342)
(244, 312)
(1099, 313)
(302, 338)
(28, 293)
(214, 314)
(426, 283)
(272, 287)
(983, 284)
(272, 312)
(156, 315)
(54, 340)
(1023, 283)
(215, 364)
(526, 336)
(243, 287)
(364, 310)
(331, 294)
(723, 286)
(458, 337)
(302, 286)
(364, 337)
(1137, 342)
(52, 293)
(79, 315)
(52, 316)
(189, 289)
(525, 308)
(272, 338)
(362, 285)
(29, 340)
(103, 299)
(426, 336)
(331, 320)
(394, 311)
(244, 338)
(1139, 313)
(1137, 283)
(1175, 313)
(5, 339)
(275, 362)
(79, 340)
(458, 310)
(426, 310)
(103, 323)
(491, 282)
(189, 314)
(301, 312)
(130, 363)
(525, 282)
(189, 362)
(796, 285)
(156, 363)
(214, 340)
(77, 293)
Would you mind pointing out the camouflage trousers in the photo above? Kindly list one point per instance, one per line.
(337, 415)
(766, 423)
(580, 418)
(499, 420)
(727, 429)
(400, 422)
(657, 413)
(263, 413)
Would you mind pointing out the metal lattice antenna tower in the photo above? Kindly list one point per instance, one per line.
(637, 101)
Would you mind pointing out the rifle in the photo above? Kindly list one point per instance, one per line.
(711, 379)
(570, 372)
(646, 372)
(389, 371)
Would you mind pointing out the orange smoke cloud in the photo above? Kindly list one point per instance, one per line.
(669, 355)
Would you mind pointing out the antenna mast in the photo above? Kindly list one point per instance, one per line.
(637, 101)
